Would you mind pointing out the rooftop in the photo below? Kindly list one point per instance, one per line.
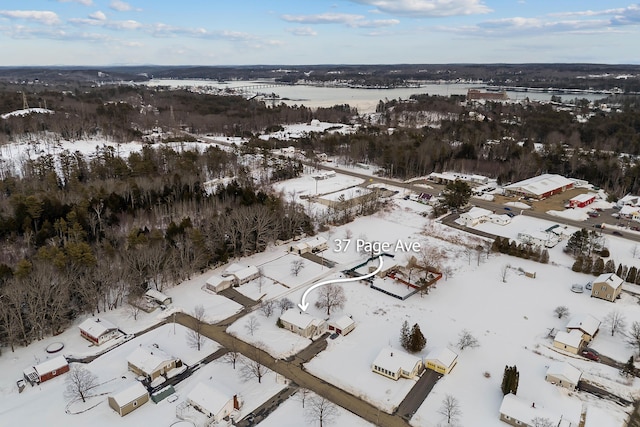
(210, 399)
(610, 278)
(298, 318)
(51, 365)
(566, 370)
(572, 339)
(392, 359)
(541, 184)
(95, 326)
(585, 322)
(443, 356)
(129, 393)
(148, 359)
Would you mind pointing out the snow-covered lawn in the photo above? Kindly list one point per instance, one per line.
(306, 185)
(292, 414)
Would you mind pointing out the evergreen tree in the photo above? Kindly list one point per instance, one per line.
(578, 242)
(587, 265)
(510, 380)
(544, 256)
(610, 267)
(598, 267)
(577, 265)
(631, 276)
(456, 194)
(629, 368)
(495, 246)
(405, 334)
(417, 341)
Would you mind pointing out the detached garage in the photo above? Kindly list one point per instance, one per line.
(129, 399)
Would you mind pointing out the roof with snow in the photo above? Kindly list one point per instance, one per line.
(215, 280)
(541, 184)
(148, 359)
(476, 213)
(96, 327)
(572, 339)
(585, 322)
(209, 399)
(20, 113)
(392, 359)
(156, 295)
(629, 210)
(232, 268)
(585, 197)
(565, 370)
(343, 322)
(600, 417)
(246, 273)
(443, 356)
(51, 365)
(130, 393)
(301, 319)
(524, 412)
(609, 278)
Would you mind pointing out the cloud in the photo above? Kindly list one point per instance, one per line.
(302, 31)
(120, 6)
(165, 30)
(41, 16)
(84, 2)
(428, 8)
(348, 19)
(98, 16)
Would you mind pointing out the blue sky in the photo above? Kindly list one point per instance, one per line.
(239, 32)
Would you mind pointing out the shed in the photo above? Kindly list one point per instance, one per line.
(129, 398)
(46, 370)
(441, 360)
(97, 330)
(582, 200)
(563, 374)
(342, 325)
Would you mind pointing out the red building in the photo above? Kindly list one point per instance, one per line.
(582, 200)
(47, 370)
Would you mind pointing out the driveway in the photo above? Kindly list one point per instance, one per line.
(418, 394)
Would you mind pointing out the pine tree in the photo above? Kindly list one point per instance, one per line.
(631, 276)
(629, 368)
(598, 267)
(587, 265)
(405, 334)
(417, 341)
(544, 256)
(609, 266)
(577, 265)
(510, 380)
(495, 247)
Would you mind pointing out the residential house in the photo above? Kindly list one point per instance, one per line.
(213, 402)
(158, 297)
(630, 212)
(217, 283)
(151, 362)
(628, 200)
(342, 325)
(246, 274)
(46, 370)
(563, 374)
(500, 219)
(397, 364)
(582, 200)
(539, 238)
(441, 360)
(585, 323)
(302, 323)
(607, 286)
(520, 413)
(98, 331)
(474, 216)
(129, 399)
(569, 341)
(312, 245)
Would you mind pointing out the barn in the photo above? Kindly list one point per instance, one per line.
(582, 200)
(46, 370)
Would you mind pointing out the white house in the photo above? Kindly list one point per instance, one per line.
(342, 325)
(98, 331)
(521, 413)
(396, 364)
(568, 341)
(502, 219)
(247, 274)
(313, 245)
(218, 283)
(563, 374)
(212, 402)
(474, 216)
(539, 238)
(302, 323)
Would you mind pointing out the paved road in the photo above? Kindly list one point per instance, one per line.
(263, 411)
(299, 376)
(602, 393)
(418, 394)
(308, 353)
(234, 295)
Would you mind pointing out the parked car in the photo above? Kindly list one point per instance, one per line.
(577, 288)
(591, 354)
(594, 214)
(588, 286)
(507, 209)
(616, 233)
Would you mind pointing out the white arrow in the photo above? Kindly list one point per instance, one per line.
(304, 305)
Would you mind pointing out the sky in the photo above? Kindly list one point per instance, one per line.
(298, 32)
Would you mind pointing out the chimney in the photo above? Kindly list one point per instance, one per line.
(236, 402)
(97, 320)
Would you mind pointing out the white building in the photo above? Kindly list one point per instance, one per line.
(212, 402)
(474, 216)
(521, 413)
(312, 245)
(343, 325)
(563, 374)
(302, 323)
(397, 364)
(98, 330)
(539, 238)
(585, 323)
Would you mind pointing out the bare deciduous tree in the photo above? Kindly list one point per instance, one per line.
(330, 297)
(302, 394)
(541, 422)
(465, 339)
(633, 336)
(285, 304)
(296, 266)
(252, 325)
(504, 272)
(133, 309)
(195, 339)
(79, 382)
(615, 321)
(254, 367)
(561, 311)
(321, 411)
(450, 409)
(232, 355)
(266, 307)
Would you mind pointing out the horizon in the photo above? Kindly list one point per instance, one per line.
(109, 33)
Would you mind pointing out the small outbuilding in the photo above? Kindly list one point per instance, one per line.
(342, 325)
(129, 398)
(46, 370)
(441, 360)
(397, 364)
(98, 331)
(582, 200)
(563, 374)
(607, 286)
(158, 297)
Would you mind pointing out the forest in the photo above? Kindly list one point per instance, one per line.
(84, 234)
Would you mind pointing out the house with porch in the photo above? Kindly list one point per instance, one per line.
(395, 364)
(302, 323)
